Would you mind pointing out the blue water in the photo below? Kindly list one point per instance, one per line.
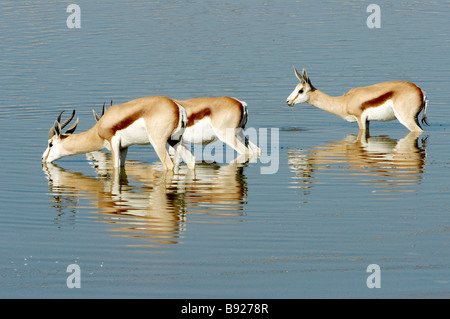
(335, 205)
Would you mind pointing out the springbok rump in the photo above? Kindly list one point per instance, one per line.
(154, 120)
(218, 118)
(385, 101)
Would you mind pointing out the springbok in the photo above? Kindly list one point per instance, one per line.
(385, 101)
(211, 119)
(154, 120)
(218, 118)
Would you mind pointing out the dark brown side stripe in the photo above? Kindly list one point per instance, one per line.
(377, 101)
(198, 116)
(126, 122)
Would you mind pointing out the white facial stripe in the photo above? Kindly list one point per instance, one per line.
(296, 97)
(52, 153)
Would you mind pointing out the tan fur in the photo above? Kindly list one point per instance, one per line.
(161, 117)
(361, 103)
(225, 113)
(159, 111)
(375, 102)
(406, 96)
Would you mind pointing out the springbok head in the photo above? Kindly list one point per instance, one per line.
(54, 150)
(300, 93)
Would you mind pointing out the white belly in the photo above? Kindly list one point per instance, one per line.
(136, 133)
(384, 112)
(201, 132)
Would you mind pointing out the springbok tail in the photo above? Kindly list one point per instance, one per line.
(424, 107)
(182, 122)
(244, 117)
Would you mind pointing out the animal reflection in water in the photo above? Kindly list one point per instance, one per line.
(390, 164)
(147, 203)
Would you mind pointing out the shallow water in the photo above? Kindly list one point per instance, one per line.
(337, 203)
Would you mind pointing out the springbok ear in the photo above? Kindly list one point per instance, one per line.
(55, 130)
(96, 116)
(305, 75)
(299, 77)
(307, 80)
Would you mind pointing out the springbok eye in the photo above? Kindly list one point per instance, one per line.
(50, 144)
(300, 91)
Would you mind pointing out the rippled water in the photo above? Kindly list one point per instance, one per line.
(337, 203)
(387, 164)
(146, 203)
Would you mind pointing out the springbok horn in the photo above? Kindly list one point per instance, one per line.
(63, 125)
(73, 127)
(59, 116)
(51, 132)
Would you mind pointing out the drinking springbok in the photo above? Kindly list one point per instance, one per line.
(218, 118)
(154, 120)
(211, 119)
(385, 101)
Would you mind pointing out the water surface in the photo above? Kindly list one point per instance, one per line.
(337, 203)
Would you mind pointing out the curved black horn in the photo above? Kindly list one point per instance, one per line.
(73, 127)
(51, 132)
(58, 119)
(66, 121)
(59, 126)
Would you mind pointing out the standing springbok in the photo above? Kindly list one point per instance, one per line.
(151, 120)
(218, 118)
(385, 101)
